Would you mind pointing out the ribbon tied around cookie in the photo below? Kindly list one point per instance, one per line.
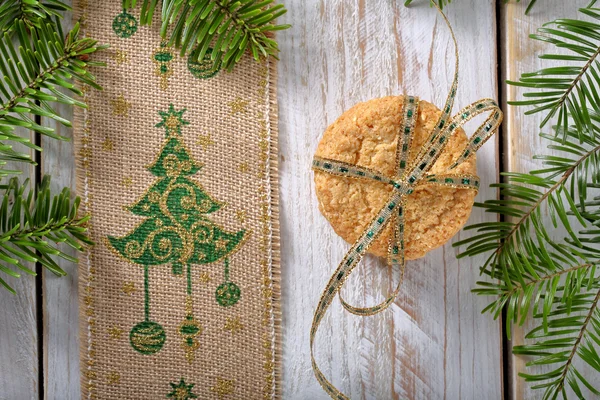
(407, 177)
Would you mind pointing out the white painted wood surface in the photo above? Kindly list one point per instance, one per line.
(60, 307)
(433, 343)
(19, 377)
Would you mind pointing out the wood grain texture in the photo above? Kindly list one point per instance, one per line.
(61, 307)
(60, 304)
(428, 346)
(19, 377)
(522, 142)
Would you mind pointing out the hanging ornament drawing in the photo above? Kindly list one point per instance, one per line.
(176, 232)
(162, 57)
(205, 68)
(189, 328)
(124, 25)
(228, 293)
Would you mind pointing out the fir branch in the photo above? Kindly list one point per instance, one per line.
(44, 62)
(569, 90)
(230, 27)
(31, 12)
(30, 223)
(577, 335)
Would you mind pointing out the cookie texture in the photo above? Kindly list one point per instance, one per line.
(367, 135)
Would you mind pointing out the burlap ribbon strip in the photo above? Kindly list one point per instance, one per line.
(407, 177)
(177, 166)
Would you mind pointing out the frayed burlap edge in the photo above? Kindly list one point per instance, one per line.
(273, 170)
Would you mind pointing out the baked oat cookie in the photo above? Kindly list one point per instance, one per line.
(366, 135)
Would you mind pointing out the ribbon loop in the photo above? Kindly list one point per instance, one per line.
(404, 181)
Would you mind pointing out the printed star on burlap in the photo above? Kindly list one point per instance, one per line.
(182, 391)
(120, 106)
(120, 57)
(128, 288)
(115, 332)
(205, 141)
(238, 105)
(241, 216)
(233, 325)
(108, 145)
(204, 277)
(223, 387)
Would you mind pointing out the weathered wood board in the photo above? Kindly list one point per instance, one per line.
(429, 345)
(433, 343)
(521, 140)
(19, 349)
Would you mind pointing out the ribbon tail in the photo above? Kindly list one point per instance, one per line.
(396, 260)
(349, 262)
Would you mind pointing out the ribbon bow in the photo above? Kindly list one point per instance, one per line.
(406, 178)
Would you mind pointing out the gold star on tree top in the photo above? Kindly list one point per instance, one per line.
(181, 391)
(172, 120)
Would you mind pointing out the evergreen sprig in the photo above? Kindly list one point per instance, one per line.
(30, 12)
(533, 273)
(569, 90)
(229, 27)
(32, 224)
(34, 70)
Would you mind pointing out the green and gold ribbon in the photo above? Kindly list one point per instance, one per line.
(407, 176)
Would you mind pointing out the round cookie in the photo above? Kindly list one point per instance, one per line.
(367, 135)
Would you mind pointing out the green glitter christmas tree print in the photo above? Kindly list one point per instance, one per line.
(176, 232)
(181, 391)
(124, 25)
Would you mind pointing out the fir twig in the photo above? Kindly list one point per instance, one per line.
(229, 27)
(32, 13)
(44, 62)
(30, 225)
(569, 90)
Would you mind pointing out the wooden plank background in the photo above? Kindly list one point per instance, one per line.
(521, 140)
(433, 343)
